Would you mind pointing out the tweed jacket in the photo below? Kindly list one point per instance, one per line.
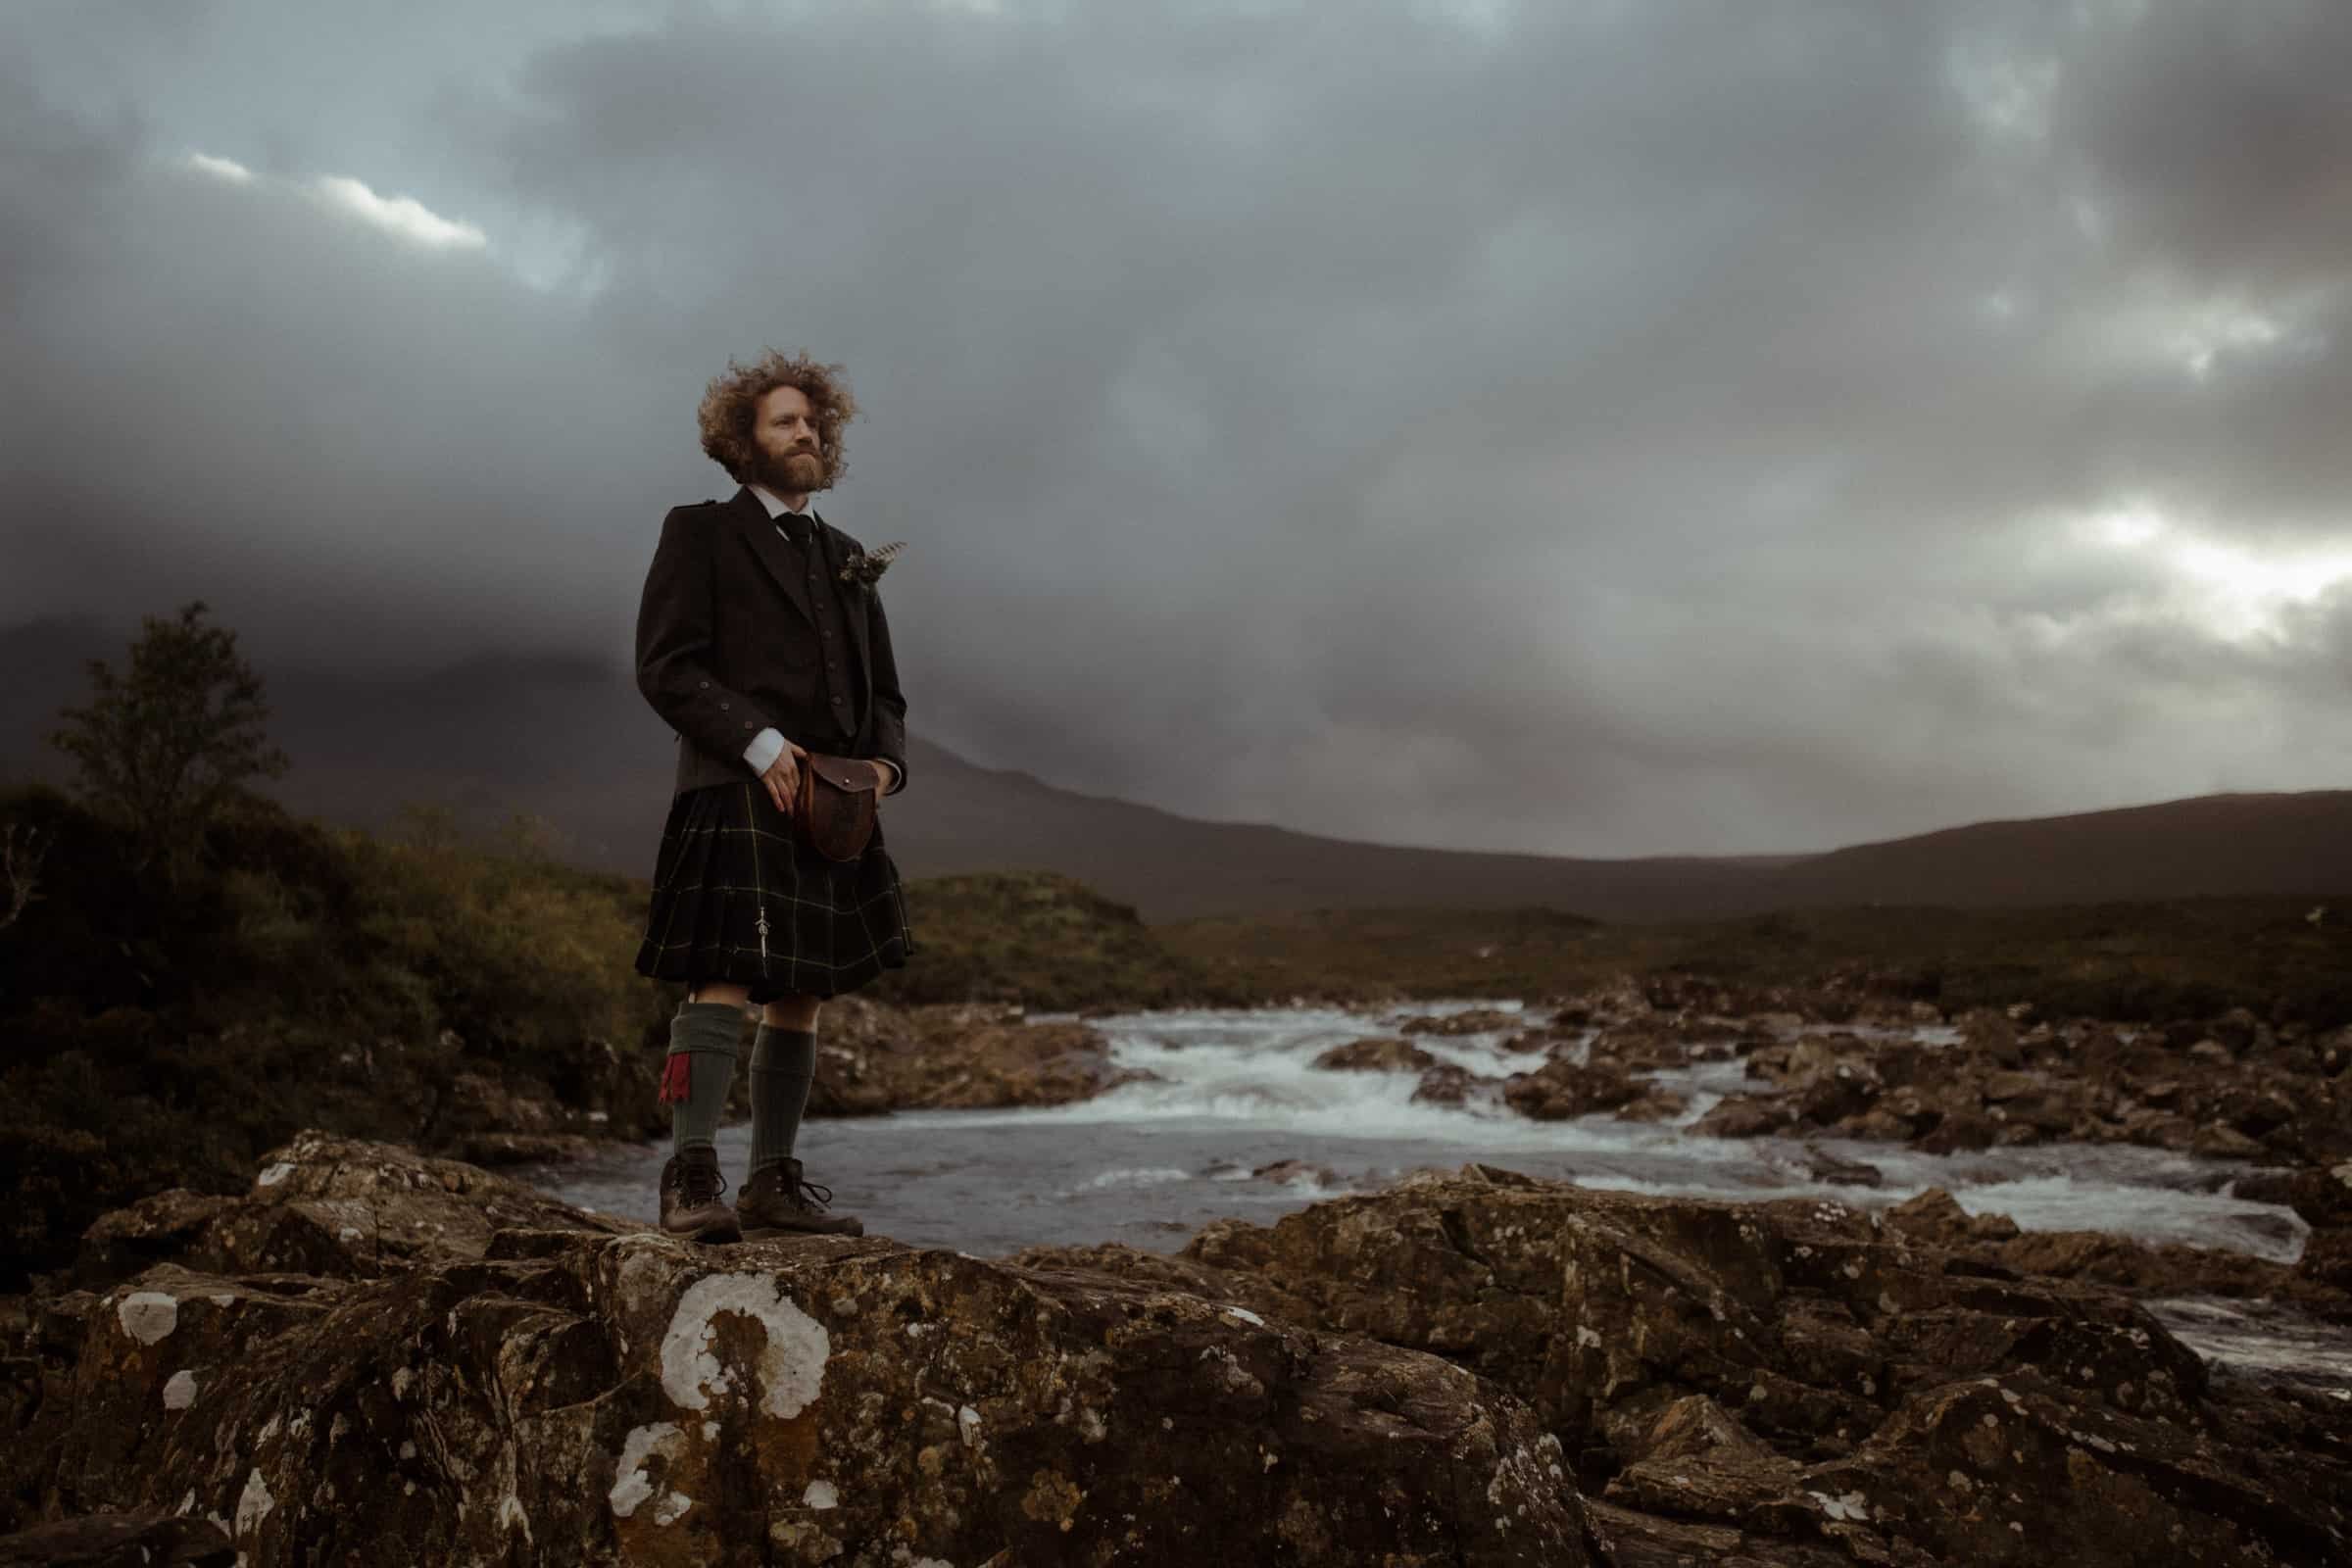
(727, 644)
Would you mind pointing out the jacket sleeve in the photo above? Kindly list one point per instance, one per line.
(890, 704)
(675, 634)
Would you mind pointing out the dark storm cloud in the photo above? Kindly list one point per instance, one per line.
(1609, 429)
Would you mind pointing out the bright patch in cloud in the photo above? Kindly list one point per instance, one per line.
(404, 215)
(2197, 340)
(2236, 592)
(2009, 97)
(227, 168)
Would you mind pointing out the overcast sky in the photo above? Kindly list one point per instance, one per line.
(1605, 429)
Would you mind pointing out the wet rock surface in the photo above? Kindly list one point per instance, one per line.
(2227, 1086)
(572, 1391)
(1376, 1054)
(873, 1058)
(1797, 1382)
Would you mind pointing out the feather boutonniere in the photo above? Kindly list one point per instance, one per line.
(865, 565)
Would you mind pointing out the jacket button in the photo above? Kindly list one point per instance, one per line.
(722, 708)
(702, 683)
(747, 723)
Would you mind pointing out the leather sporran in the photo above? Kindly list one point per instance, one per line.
(835, 804)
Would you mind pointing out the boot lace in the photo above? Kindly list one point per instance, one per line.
(699, 1184)
(800, 1194)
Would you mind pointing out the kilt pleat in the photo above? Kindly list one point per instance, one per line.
(729, 861)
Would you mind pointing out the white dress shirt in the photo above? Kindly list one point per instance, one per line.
(768, 744)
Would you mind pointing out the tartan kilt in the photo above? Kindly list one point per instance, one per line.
(727, 857)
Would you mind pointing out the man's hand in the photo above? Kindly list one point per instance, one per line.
(783, 777)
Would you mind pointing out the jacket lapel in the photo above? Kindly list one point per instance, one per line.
(758, 531)
(852, 608)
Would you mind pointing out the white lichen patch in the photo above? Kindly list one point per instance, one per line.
(179, 1390)
(253, 1503)
(1848, 1506)
(511, 1517)
(274, 1175)
(1230, 1372)
(1518, 1476)
(791, 1365)
(632, 1487)
(148, 1315)
(1246, 1315)
(967, 1422)
(820, 1494)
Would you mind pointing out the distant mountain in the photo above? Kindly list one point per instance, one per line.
(2280, 843)
(569, 740)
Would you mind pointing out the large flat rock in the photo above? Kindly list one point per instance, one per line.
(569, 1393)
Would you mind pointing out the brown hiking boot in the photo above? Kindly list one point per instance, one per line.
(689, 1202)
(777, 1202)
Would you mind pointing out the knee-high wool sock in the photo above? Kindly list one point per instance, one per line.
(703, 1040)
(783, 1066)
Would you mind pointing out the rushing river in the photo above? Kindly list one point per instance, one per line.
(1149, 1162)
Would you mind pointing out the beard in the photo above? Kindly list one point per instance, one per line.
(793, 475)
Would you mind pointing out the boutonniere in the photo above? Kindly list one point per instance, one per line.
(865, 565)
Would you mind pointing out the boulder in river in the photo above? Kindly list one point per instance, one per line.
(1376, 1054)
(966, 1056)
(1473, 1021)
(1562, 1087)
(1449, 1083)
(2322, 1197)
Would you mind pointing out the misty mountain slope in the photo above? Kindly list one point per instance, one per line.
(570, 740)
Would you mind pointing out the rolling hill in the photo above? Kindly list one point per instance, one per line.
(570, 741)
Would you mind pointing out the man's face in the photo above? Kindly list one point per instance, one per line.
(785, 426)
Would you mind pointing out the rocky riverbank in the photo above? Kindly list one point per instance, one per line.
(371, 1356)
(2230, 1085)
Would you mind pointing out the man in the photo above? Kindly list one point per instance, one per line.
(759, 641)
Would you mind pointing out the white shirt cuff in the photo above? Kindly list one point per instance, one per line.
(765, 748)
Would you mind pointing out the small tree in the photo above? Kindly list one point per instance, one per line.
(21, 864)
(164, 746)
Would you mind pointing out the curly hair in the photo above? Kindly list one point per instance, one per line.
(731, 400)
